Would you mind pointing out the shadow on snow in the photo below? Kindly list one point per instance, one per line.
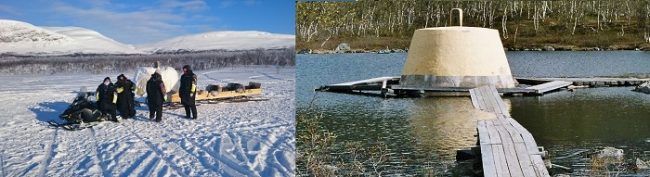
(49, 111)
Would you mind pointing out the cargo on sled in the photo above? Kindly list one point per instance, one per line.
(232, 92)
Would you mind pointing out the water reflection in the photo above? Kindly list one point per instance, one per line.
(445, 124)
(427, 131)
(614, 116)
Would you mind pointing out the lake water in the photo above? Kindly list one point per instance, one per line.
(421, 135)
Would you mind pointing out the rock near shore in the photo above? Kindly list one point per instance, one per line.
(342, 48)
(610, 154)
(548, 48)
(305, 51)
(643, 88)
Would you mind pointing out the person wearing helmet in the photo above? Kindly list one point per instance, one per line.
(187, 92)
(155, 96)
(106, 98)
(125, 96)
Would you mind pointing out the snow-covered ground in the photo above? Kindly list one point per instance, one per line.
(228, 139)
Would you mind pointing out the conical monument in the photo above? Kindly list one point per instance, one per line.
(456, 56)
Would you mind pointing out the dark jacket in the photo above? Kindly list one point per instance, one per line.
(125, 89)
(105, 95)
(186, 90)
(155, 91)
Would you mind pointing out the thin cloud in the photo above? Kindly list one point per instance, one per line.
(135, 27)
(8, 10)
(190, 6)
(230, 3)
(99, 3)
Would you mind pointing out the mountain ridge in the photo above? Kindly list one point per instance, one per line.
(25, 39)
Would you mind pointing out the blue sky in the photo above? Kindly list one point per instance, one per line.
(145, 21)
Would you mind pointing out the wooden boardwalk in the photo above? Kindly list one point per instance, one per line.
(507, 148)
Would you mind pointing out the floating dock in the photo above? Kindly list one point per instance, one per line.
(374, 84)
(538, 86)
(507, 148)
(549, 86)
(589, 81)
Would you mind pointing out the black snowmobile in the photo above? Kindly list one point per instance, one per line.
(82, 113)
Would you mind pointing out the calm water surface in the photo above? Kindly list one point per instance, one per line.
(423, 133)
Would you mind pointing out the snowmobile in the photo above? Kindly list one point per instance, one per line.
(82, 113)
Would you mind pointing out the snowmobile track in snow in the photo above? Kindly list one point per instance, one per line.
(2, 165)
(217, 157)
(137, 163)
(102, 166)
(269, 76)
(155, 149)
(203, 161)
(180, 137)
(265, 142)
(205, 74)
(216, 143)
(49, 155)
(72, 126)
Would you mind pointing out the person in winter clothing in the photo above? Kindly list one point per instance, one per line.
(106, 98)
(155, 96)
(187, 92)
(125, 96)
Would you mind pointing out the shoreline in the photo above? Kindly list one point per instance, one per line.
(389, 51)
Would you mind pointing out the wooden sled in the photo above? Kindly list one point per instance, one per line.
(217, 95)
(204, 97)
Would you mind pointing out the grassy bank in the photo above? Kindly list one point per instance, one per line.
(562, 25)
(556, 41)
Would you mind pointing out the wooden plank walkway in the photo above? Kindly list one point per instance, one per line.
(507, 148)
(549, 86)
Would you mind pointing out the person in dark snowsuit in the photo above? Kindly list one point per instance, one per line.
(155, 96)
(106, 98)
(125, 96)
(187, 92)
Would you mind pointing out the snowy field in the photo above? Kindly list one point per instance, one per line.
(228, 139)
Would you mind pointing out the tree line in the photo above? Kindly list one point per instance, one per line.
(617, 20)
(14, 65)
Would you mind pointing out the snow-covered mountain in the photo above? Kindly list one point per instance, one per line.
(26, 39)
(222, 40)
(20, 38)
